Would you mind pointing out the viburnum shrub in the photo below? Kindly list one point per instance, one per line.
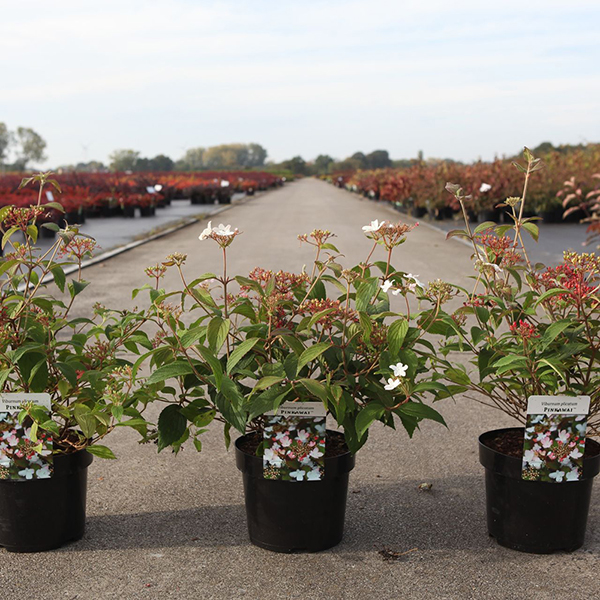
(238, 346)
(81, 362)
(528, 329)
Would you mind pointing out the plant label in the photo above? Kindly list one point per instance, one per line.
(554, 442)
(50, 196)
(24, 454)
(294, 442)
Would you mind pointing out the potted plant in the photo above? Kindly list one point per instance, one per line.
(528, 330)
(239, 347)
(78, 364)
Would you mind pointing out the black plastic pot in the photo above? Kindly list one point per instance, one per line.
(535, 516)
(295, 516)
(42, 514)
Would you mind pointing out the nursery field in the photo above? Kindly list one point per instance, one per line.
(165, 526)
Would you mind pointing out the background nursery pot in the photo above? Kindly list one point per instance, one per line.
(43, 514)
(290, 516)
(535, 516)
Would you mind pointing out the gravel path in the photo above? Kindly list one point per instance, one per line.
(161, 526)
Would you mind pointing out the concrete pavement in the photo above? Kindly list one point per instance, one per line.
(164, 526)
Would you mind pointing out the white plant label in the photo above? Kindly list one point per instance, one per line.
(299, 409)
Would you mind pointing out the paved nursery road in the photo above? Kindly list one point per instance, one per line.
(174, 527)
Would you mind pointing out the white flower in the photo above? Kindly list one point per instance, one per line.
(315, 453)
(577, 418)
(485, 187)
(563, 436)
(374, 226)
(5, 461)
(206, 233)
(314, 475)
(575, 453)
(223, 230)
(573, 475)
(399, 369)
(391, 384)
(303, 435)
(44, 472)
(581, 427)
(386, 285)
(496, 268)
(545, 442)
(297, 475)
(412, 286)
(557, 476)
(27, 473)
(272, 457)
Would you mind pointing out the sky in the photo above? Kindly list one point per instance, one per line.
(463, 79)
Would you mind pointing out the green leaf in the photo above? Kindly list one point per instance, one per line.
(553, 331)
(533, 229)
(230, 403)
(191, 336)
(76, 287)
(101, 451)
(240, 352)
(216, 333)
(457, 233)
(366, 325)
(214, 363)
(370, 413)
(204, 418)
(311, 353)
(421, 411)
(171, 426)
(69, 372)
(7, 235)
(290, 365)
(458, 375)
(315, 388)
(51, 226)
(509, 362)
(269, 400)
(176, 369)
(267, 382)
(396, 333)
(32, 232)
(549, 294)
(484, 226)
(365, 293)
(59, 277)
(86, 420)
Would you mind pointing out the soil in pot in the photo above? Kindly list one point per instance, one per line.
(290, 516)
(533, 516)
(43, 514)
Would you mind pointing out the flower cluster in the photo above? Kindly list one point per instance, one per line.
(388, 234)
(500, 250)
(337, 311)
(222, 234)
(78, 248)
(524, 330)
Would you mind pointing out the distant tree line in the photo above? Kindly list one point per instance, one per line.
(24, 145)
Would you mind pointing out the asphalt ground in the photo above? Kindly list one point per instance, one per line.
(164, 526)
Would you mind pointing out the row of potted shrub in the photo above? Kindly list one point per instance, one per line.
(419, 189)
(368, 342)
(116, 194)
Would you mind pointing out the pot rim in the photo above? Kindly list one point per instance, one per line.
(252, 465)
(511, 466)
